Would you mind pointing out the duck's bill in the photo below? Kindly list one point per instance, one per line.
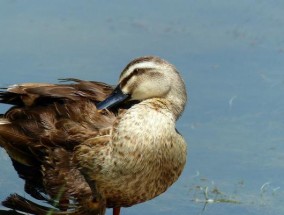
(116, 97)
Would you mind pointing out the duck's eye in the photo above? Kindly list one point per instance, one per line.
(136, 71)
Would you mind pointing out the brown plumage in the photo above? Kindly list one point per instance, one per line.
(43, 127)
(81, 159)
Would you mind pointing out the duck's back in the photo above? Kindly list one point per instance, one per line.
(41, 130)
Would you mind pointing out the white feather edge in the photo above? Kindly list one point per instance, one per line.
(4, 121)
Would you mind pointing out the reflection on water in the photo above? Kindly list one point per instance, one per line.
(231, 56)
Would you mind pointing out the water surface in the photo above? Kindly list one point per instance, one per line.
(231, 55)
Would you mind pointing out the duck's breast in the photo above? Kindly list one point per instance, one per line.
(147, 156)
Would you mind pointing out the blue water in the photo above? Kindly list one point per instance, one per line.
(231, 55)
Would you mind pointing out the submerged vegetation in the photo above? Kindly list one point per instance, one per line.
(205, 191)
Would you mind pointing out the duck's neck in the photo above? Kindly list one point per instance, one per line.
(177, 100)
(148, 117)
(143, 131)
(177, 96)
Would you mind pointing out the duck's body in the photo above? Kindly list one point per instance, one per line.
(97, 158)
(141, 159)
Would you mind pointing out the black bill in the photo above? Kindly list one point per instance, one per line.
(116, 97)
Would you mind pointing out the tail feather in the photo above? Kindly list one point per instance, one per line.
(22, 204)
(19, 203)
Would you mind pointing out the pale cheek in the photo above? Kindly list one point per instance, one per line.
(150, 91)
(141, 94)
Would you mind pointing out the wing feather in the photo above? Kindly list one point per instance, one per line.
(40, 133)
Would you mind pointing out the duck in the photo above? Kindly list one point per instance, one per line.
(85, 146)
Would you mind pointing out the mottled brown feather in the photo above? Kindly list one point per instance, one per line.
(45, 125)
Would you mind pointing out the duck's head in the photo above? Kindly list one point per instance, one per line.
(149, 77)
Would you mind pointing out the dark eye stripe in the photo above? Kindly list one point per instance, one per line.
(136, 72)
